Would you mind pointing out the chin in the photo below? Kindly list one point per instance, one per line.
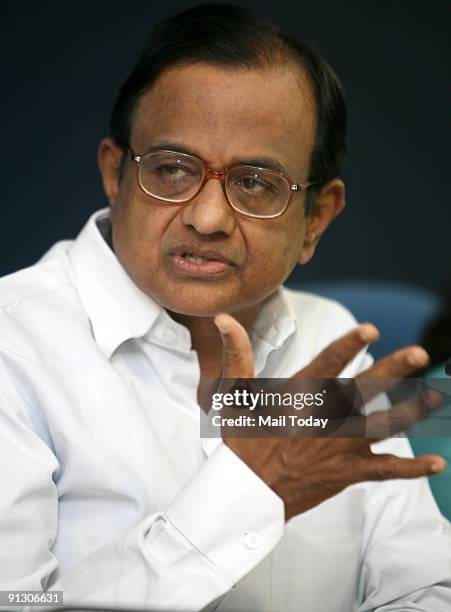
(206, 299)
(200, 304)
(197, 301)
(198, 310)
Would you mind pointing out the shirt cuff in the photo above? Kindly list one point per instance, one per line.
(229, 514)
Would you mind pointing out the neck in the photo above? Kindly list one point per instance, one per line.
(206, 340)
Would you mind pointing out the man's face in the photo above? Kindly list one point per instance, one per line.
(224, 117)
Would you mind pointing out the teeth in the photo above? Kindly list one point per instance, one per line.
(195, 258)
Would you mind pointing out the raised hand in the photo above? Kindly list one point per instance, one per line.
(306, 471)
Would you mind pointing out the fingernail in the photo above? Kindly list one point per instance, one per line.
(438, 466)
(417, 358)
(221, 325)
(368, 333)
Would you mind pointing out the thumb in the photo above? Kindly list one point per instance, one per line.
(237, 360)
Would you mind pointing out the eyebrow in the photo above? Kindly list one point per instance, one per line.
(261, 162)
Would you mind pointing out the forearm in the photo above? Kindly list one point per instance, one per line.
(182, 558)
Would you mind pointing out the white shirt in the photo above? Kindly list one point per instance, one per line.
(109, 493)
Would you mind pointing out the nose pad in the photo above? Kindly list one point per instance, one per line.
(209, 211)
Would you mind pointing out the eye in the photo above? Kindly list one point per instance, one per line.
(254, 185)
(173, 171)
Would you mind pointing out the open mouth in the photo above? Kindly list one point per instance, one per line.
(188, 261)
(196, 258)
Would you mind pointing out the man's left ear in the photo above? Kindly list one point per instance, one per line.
(329, 203)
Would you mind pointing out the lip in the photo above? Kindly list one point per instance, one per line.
(216, 263)
(199, 252)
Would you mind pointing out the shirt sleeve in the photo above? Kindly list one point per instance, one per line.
(407, 546)
(222, 524)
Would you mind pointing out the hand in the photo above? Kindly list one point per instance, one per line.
(306, 471)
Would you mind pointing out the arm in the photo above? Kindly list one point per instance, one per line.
(406, 556)
(406, 561)
(178, 559)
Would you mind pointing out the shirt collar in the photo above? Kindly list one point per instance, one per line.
(118, 310)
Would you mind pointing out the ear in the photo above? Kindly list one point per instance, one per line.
(109, 157)
(330, 201)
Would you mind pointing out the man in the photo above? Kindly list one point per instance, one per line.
(221, 175)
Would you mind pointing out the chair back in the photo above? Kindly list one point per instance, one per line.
(400, 311)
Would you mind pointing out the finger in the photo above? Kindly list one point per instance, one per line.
(386, 423)
(387, 372)
(335, 357)
(398, 364)
(237, 360)
(386, 467)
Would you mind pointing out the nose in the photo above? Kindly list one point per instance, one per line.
(209, 212)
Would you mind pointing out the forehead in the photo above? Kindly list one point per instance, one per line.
(228, 115)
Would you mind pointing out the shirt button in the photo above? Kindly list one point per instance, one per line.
(170, 335)
(252, 540)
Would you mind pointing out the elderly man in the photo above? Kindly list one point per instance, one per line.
(221, 175)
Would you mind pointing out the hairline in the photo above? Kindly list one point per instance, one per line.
(283, 58)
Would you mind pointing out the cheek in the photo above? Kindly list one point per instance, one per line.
(138, 228)
(276, 251)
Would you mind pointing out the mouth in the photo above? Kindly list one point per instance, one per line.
(193, 261)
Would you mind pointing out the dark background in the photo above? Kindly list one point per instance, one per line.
(61, 67)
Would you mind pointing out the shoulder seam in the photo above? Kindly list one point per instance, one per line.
(8, 305)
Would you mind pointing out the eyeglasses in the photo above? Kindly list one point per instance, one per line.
(177, 177)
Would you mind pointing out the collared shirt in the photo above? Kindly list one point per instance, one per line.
(109, 493)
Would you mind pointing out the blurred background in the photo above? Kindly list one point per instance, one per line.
(62, 65)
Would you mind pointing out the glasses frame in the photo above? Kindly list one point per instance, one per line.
(221, 175)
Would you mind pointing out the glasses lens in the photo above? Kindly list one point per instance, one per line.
(253, 191)
(171, 176)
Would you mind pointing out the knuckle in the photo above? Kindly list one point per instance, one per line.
(332, 483)
(233, 355)
(353, 472)
(387, 470)
(335, 360)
